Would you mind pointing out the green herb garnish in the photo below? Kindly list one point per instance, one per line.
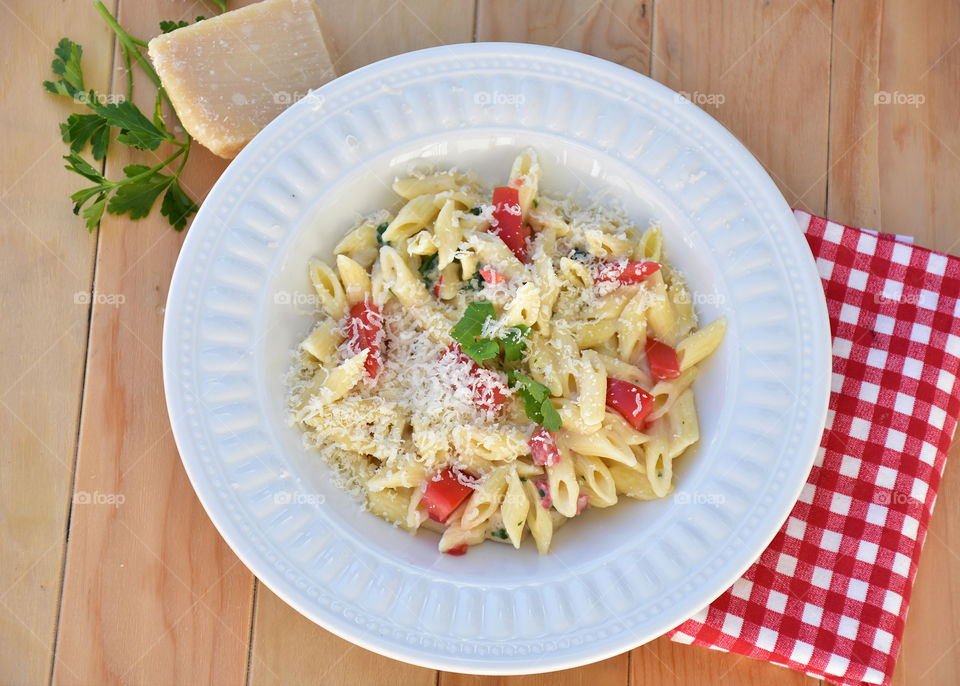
(428, 269)
(500, 533)
(474, 283)
(475, 211)
(468, 332)
(580, 255)
(168, 26)
(536, 400)
(136, 193)
(380, 230)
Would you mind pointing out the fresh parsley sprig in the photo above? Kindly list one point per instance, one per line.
(536, 400)
(468, 332)
(136, 193)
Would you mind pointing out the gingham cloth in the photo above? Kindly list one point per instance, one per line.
(829, 595)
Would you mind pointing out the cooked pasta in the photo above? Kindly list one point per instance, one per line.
(487, 364)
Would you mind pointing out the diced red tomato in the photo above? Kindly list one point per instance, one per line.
(436, 286)
(582, 501)
(458, 550)
(631, 401)
(365, 328)
(544, 448)
(488, 390)
(492, 275)
(508, 220)
(444, 493)
(662, 360)
(625, 273)
(543, 490)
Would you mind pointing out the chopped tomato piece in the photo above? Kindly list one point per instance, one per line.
(508, 220)
(582, 501)
(544, 448)
(662, 360)
(444, 494)
(436, 286)
(543, 490)
(488, 391)
(365, 329)
(492, 275)
(631, 401)
(625, 273)
(458, 550)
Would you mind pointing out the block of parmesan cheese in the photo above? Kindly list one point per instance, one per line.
(230, 75)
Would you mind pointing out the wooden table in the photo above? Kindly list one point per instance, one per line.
(146, 591)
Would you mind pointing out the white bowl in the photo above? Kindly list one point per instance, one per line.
(615, 578)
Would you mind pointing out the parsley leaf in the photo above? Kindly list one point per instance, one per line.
(536, 400)
(67, 67)
(380, 230)
(475, 211)
(428, 269)
(167, 26)
(142, 186)
(481, 351)
(177, 206)
(136, 129)
(81, 128)
(141, 189)
(470, 327)
(474, 283)
(514, 341)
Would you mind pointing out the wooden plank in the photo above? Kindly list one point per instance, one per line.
(151, 592)
(762, 70)
(901, 177)
(854, 178)
(290, 649)
(47, 265)
(618, 30)
(612, 672)
(666, 663)
(287, 648)
(358, 33)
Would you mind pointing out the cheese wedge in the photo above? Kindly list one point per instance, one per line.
(230, 75)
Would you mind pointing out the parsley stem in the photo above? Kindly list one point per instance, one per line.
(129, 42)
(154, 170)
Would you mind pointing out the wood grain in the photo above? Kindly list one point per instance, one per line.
(910, 50)
(616, 30)
(612, 671)
(150, 587)
(150, 593)
(763, 70)
(46, 258)
(286, 648)
(290, 649)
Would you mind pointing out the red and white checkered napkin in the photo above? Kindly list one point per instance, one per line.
(829, 596)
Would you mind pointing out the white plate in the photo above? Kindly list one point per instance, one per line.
(238, 303)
